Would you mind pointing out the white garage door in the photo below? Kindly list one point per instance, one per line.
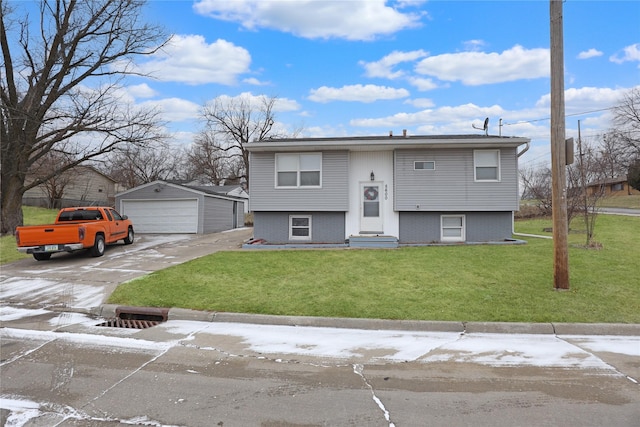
(162, 216)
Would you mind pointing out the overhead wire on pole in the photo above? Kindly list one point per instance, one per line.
(549, 118)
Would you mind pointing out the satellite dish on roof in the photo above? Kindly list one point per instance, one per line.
(485, 127)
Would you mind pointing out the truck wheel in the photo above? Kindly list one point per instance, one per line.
(130, 235)
(42, 256)
(98, 246)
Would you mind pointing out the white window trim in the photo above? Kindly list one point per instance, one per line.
(463, 228)
(291, 236)
(297, 172)
(424, 161)
(475, 166)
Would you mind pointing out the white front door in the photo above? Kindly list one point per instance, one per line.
(371, 208)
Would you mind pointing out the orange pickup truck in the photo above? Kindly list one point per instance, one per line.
(75, 229)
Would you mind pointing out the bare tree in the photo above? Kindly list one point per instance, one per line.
(59, 87)
(591, 166)
(54, 187)
(612, 157)
(537, 187)
(207, 159)
(132, 165)
(626, 121)
(234, 122)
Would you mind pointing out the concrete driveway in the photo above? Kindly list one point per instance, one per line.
(80, 282)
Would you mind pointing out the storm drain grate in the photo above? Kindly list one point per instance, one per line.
(137, 317)
(116, 322)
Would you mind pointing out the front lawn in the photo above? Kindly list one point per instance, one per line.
(462, 283)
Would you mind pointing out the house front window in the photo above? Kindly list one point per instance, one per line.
(424, 165)
(298, 170)
(452, 228)
(486, 165)
(300, 227)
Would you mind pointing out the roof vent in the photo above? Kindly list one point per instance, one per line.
(390, 134)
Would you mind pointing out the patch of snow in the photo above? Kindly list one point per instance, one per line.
(608, 343)
(88, 340)
(8, 313)
(49, 291)
(326, 342)
(517, 350)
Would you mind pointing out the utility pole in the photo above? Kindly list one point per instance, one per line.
(558, 152)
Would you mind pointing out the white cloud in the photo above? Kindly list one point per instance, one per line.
(175, 109)
(456, 119)
(190, 59)
(141, 91)
(281, 104)
(422, 84)
(255, 82)
(384, 67)
(473, 45)
(359, 93)
(629, 53)
(421, 102)
(591, 53)
(478, 68)
(351, 20)
(586, 99)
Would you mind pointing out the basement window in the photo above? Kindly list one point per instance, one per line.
(299, 227)
(452, 228)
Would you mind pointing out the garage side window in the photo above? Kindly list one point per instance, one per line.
(298, 170)
(299, 227)
(487, 165)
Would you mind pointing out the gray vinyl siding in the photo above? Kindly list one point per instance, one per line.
(214, 213)
(164, 192)
(451, 186)
(326, 227)
(424, 227)
(332, 196)
(218, 215)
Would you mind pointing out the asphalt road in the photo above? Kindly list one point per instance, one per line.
(59, 368)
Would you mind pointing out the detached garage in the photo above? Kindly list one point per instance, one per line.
(163, 207)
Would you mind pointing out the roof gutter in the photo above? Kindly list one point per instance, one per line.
(525, 149)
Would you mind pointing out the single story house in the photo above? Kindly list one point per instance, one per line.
(395, 189)
(80, 186)
(618, 186)
(165, 207)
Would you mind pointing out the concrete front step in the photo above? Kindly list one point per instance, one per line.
(373, 241)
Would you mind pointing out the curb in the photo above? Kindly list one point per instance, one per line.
(618, 329)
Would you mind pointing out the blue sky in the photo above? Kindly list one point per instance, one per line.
(350, 67)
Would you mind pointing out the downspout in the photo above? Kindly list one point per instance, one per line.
(513, 220)
(525, 149)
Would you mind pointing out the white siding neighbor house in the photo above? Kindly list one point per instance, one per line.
(398, 190)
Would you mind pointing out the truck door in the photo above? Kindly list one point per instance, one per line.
(117, 227)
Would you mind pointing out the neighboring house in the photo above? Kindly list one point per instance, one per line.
(236, 190)
(165, 207)
(407, 190)
(82, 186)
(612, 187)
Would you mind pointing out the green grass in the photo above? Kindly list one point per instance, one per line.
(463, 283)
(32, 216)
(629, 202)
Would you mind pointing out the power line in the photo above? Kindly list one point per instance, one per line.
(549, 118)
